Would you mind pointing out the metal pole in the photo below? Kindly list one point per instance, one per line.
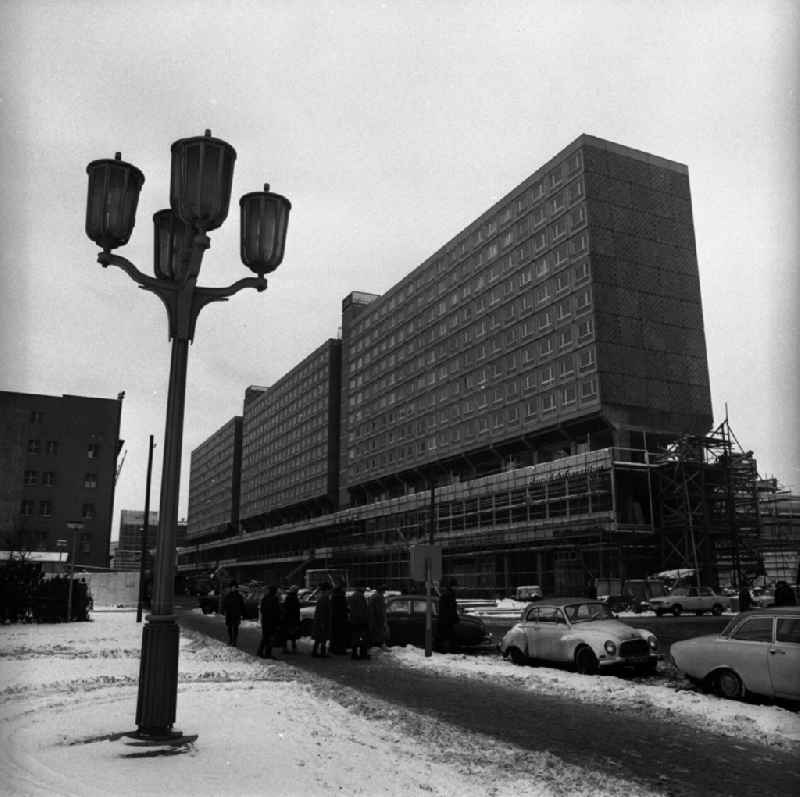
(428, 603)
(158, 670)
(145, 530)
(74, 528)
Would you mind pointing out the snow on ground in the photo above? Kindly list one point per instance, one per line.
(69, 693)
(662, 697)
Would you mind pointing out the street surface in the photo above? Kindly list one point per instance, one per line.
(667, 755)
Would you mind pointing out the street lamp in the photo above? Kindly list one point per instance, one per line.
(200, 190)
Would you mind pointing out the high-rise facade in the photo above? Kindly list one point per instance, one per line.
(525, 372)
(58, 465)
(571, 309)
(128, 553)
(214, 483)
(290, 441)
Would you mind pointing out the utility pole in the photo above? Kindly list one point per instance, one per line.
(145, 530)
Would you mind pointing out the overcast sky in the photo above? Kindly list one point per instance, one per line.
(389, 126)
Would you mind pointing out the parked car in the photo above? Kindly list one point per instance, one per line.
(531, 592)
(579, 631)
(405, 615)
(757, 652)
(690, 599)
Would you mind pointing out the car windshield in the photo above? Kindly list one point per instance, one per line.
(581, 612)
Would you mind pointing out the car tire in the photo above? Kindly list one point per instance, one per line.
(585, 661)
(729, 685)
(677, 609)
(716, 610)
(517, 656)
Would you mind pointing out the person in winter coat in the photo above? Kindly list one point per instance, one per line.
(340, 628)
(359, 624)
(270, 611)
(321, 627)
(233, 606)
(290, 620)
(784, 595)
(378, 624)
(448, 617)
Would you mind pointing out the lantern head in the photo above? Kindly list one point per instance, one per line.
(111, 201)
(172, 242)
(264, 219)
(201, 180)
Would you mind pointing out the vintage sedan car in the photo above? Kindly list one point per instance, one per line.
(405, 615)
(581, 632)
(690, 599)
(758, 652)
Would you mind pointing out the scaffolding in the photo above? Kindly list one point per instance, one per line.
(707, 498)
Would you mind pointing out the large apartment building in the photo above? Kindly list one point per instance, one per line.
(58, 465)
(507, 393)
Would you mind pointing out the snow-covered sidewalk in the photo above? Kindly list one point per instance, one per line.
(69, 690)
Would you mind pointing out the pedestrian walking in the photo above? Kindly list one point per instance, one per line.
(359, 624)
(290, 619)
(321, 627)
(745, 600)
(270, 614)
(233, 606)
(378, 624)
(448, 617)
(340, 627)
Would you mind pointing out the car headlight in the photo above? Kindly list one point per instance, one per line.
(653, 642)
(610, 647)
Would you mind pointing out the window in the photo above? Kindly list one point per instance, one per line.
(31, 477)
(36, 416)
(788, 630)
(545, 347)
(45, 508)
(547, 375)
(566, 337)
(52, 446)
(586, 358)
(49, 478)
(589, 388)
(584, 297)
(566, 366)
(34, 446)
(585, 328)
(569, 394)
(755, 629)
(27, 508)
(548, 402)
(93, 451)
(544, 320)
(88, 511)
(90, 480)
(563, 309)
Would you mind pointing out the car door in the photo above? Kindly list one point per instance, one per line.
(747, 652)
(530, 627)
(692, 601)
(551, 628)
(784, 658)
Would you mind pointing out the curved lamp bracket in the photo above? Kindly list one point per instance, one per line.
(183, 300)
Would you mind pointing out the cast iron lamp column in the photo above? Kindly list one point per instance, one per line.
(200, 190)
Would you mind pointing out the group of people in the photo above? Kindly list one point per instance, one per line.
(353, 622)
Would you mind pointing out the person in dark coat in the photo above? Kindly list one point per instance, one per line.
(378, 625)
(448, 617)
(270, 611)
(359, 623)
(340, 627)
(784, 595)
(321, 627)
(290, 620)
(745, 599)
(233, 606)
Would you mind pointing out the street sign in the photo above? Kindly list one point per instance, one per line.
(420, 555)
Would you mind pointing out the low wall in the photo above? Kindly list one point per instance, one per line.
(113, 589)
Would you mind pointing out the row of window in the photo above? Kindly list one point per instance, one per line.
(88, 511)
(48, 478)
(363, 460)
(52, 447)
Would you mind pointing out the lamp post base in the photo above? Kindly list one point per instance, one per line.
(158, 676)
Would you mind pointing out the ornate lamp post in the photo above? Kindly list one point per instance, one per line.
(200, 190)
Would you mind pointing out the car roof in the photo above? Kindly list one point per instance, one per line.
(776, 610)
(565, 601)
